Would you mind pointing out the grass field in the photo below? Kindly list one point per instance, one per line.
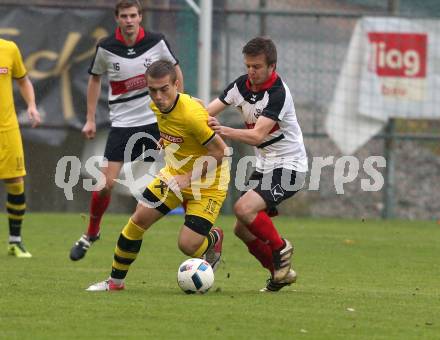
(357, 280)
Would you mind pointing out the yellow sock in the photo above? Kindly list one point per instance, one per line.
(127, 248)
(16, 207)
(202, 249)
(132, 231)
(15, 188)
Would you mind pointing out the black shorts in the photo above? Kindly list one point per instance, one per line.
(119, 137)
(274, 187)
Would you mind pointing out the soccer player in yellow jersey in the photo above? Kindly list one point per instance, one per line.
(12, 169)
(196, 172)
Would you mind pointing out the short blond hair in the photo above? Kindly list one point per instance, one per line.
(162, 68)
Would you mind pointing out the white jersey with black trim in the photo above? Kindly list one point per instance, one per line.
(283, 147)
(128, 97)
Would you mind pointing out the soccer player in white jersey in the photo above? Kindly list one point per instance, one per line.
(272, 128)
(124, 57)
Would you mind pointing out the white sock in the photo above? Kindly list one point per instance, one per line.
(117, 282)
(14, 239)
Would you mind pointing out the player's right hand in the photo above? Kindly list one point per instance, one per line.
(213, 122)
(89, 130)
(34, 116)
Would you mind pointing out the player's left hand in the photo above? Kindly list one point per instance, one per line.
(34, 116)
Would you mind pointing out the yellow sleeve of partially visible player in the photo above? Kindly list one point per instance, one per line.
(199, 125)
(18, 68)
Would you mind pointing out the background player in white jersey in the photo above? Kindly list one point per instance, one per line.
(124, 56)
(272, 128)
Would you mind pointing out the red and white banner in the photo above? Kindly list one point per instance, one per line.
(392, 69)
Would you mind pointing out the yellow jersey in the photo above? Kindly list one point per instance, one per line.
(11, 66)
(185, 132)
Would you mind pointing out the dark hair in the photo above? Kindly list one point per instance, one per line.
(160, 69)
(261, 45)
(121, 4)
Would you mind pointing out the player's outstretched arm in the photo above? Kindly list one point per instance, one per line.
(28, 94)
(215, 107)
(93, 93)
(253, 136)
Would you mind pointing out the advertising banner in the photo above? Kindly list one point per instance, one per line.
(57, 46)
(391, 70)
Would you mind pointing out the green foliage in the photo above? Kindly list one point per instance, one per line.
(357, 280)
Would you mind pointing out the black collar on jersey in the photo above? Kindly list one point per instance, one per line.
(172, 107)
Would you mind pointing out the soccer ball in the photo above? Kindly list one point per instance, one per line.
(195, 276)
